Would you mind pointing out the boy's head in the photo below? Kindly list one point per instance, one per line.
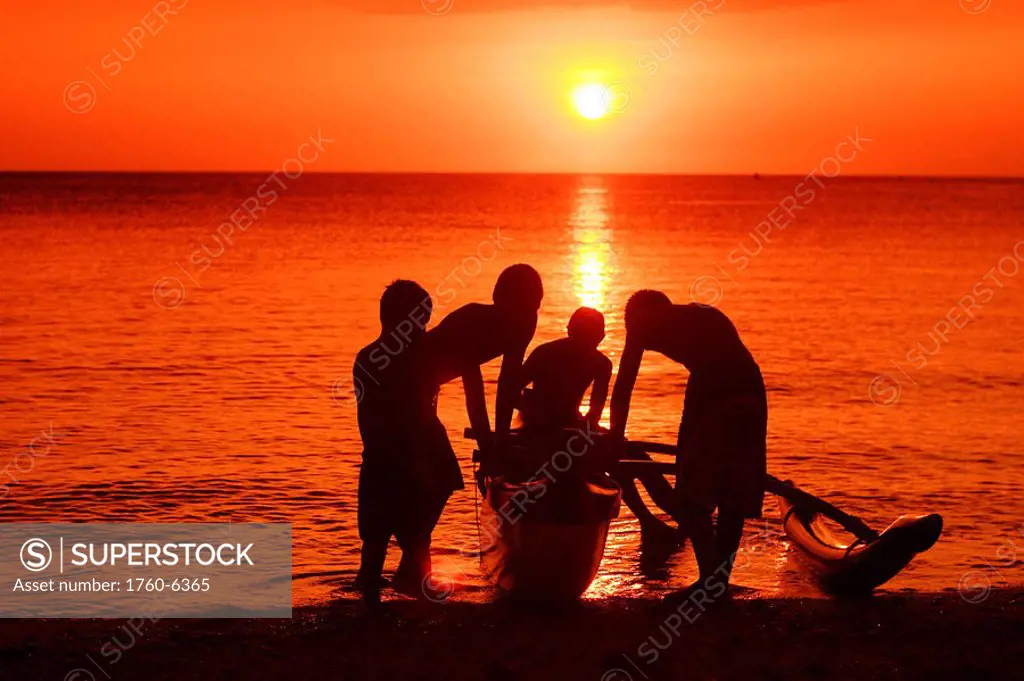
(518, 287)
(587, 326)
(643, 306)
(406, 306)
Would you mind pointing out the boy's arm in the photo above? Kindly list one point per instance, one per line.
(629, 366)
(529, 373)
(476, 405)
(359, 387)
(510, 386)
(599, 394)
(509, 379)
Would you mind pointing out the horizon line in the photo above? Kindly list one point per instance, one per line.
(749, 175)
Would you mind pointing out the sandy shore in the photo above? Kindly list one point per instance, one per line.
(913, 636)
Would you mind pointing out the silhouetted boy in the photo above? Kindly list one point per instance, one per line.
(409, 468)
(721, 446)
(475, 334)
(562, 370)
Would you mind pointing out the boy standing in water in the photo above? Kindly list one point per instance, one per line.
(409, 468)
(721, 447)
(475, 334)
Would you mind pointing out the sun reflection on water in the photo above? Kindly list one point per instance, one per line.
(592, 267)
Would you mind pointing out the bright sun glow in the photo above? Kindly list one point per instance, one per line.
(592, 101)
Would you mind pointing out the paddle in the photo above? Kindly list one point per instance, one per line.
(795, 495)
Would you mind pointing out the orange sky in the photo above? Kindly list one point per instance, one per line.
(760, 85)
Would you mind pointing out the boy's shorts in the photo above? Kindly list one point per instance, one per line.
(404, 485)
(722, 445)
(388, 508)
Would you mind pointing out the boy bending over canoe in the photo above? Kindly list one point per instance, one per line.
(721, 447)
(475, 334)
(409, 468)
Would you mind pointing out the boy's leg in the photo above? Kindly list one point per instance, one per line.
(412, 568)
(433, 590)
(373, 520)
(414, 565)
(728, 534)
(414, 539)
(371, 565)
(696, 522)
(741, 446)
(697, 482)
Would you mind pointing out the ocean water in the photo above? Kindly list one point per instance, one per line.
(168, 372)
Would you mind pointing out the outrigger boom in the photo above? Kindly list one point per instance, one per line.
(786, 490)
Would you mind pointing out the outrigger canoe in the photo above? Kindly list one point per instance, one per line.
(543, 539)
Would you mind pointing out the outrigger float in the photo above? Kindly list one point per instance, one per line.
(544, 540)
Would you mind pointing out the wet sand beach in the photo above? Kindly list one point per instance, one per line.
(891, 636)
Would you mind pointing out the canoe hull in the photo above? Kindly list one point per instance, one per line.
(542, 541)
(858, 567)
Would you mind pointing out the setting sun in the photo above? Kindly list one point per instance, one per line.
(591, 101)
